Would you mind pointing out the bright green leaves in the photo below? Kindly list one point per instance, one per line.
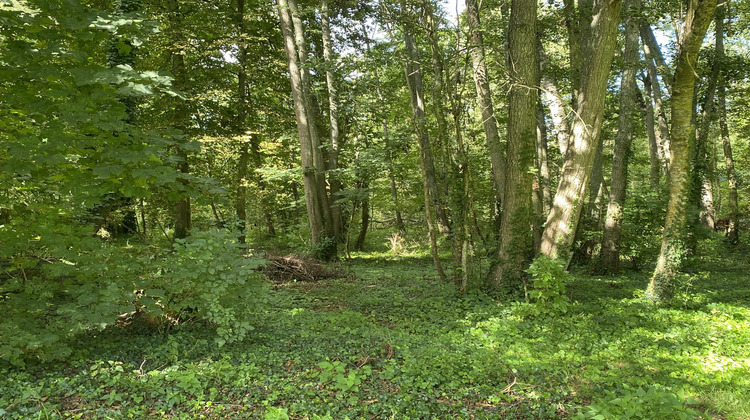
(549, 279)
(207, 278)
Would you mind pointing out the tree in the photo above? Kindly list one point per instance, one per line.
(613, 222)
(697, 19)
(313, 167)
(598, 46)
(482, 83)
(516, 238)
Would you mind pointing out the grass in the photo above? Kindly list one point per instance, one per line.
(393, 342)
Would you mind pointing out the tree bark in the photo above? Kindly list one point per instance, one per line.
(703, 168)
(427, 166)
(359, 245)
(562, 221)
(734, 211)
(698, 17)
(516, 238)
(244, 159)
(555, 104)
(312, 162)
(574, 48)
(183, 222)
(647, 110)
(438, 105)
(333, 113)
(492, 136)
(618, 186)
(542, 163)
(653, 53)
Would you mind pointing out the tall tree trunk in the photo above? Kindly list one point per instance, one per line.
(613, 221)
(562, 221)
(183, 222)
(463, 245)
(244, 159)
(734, 211)
(647, 111)
(542, 162)
(438, 105)
(359, 245)
(555, 104)
(327, 246)
(541, 198)
(482, 82)
(333, 113)
(653, 53)
(575, 55)
(312, 163)
(703, 168)
(516, 239)
(699, 15)
(427, 166)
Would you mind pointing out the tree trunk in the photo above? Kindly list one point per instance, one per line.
(312, 162)
(574, 48)
(653, 53)
(359, 245)
(244, 159)
(703, 168)
(613, 221)
(492, 136)
(555, 104)
(734, 212)
(333, 111)
(542, 162)
(438, 105)
(562, 221)
(427, 166)
(516, 238)
(183, 222)
(698, 17)
(541, 196)
(463, 246)
(647, 111)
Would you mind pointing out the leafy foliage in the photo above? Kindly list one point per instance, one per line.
(207, 278)
(549, 279)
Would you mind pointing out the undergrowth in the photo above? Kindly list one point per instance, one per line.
(392, 341)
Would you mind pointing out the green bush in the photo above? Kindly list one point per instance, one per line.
(207, 278)
(548, 292)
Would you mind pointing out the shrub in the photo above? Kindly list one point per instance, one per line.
(207, 278)
(549, 279)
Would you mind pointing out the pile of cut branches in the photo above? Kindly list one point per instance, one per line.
(290, 268)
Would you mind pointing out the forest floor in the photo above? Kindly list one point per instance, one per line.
(391, 341)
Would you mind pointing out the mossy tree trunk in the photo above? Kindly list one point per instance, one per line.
(698, 17)
(183, 219)
(734, 211)
(333, 114)
(516, 237)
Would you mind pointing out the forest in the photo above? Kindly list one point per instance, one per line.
(375, 209)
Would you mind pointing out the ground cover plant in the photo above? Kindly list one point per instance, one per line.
(390, 340)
